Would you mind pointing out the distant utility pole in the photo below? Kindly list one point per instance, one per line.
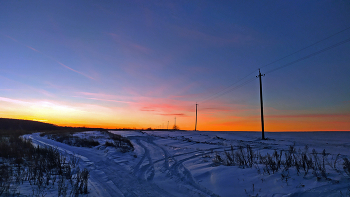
(175, 122)
(167, 128)
(261, 105)
(195, 127)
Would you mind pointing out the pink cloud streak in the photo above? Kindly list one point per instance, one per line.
(75, 70)
(103, 97)
(180, 114)
(32, 48)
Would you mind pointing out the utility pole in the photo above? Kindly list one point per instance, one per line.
(167, 128)
(195, 127)
(261, 105)
(175, 122)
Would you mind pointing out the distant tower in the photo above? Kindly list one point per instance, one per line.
(195, 127)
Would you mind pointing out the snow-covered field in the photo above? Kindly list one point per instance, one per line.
(180, 163)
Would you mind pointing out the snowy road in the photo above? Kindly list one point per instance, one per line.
(107, 177)
(156, 169)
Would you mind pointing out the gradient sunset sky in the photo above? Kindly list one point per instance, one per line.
(142, 63)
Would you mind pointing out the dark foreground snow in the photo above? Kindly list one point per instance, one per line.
(180, 163)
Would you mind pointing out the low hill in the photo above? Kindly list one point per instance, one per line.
(24, 125)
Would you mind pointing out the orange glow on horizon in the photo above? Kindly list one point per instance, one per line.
(148, 115)
(277, 126)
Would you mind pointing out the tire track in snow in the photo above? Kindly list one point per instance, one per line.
(137, 167)
(147, 171)
(171, 167)
(107, 177)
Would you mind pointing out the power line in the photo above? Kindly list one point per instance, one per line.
(311, 55)
(190, 107)
(298, 60)
(293, 62)
(305, 47)
(224, 89)
(230, 90)
(228, 87)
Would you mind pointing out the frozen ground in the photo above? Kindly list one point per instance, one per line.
(180, 163)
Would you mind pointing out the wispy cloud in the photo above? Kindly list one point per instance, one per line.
(11, 38)
(50, 109)
(217, 109)
(27, 87)
(108, 100)
(211, 39)
(162, 106)
(52, 58)
(346, 115)
(15, 101)
(32, 48)
(158, 107)
(147, 109)
(74, 70)
(128, 45)
(180, 114)
(102, 97)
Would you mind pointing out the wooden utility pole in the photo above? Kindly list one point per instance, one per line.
(195, 127)
(167, 128)
(261, 105)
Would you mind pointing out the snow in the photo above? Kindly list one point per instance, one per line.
(180, 163)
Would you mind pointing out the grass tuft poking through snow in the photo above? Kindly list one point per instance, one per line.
(302, 161)
(89, 139)
(118, 141)
(42, 169)
(72, 140)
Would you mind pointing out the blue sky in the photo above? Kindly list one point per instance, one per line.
(141, 63)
